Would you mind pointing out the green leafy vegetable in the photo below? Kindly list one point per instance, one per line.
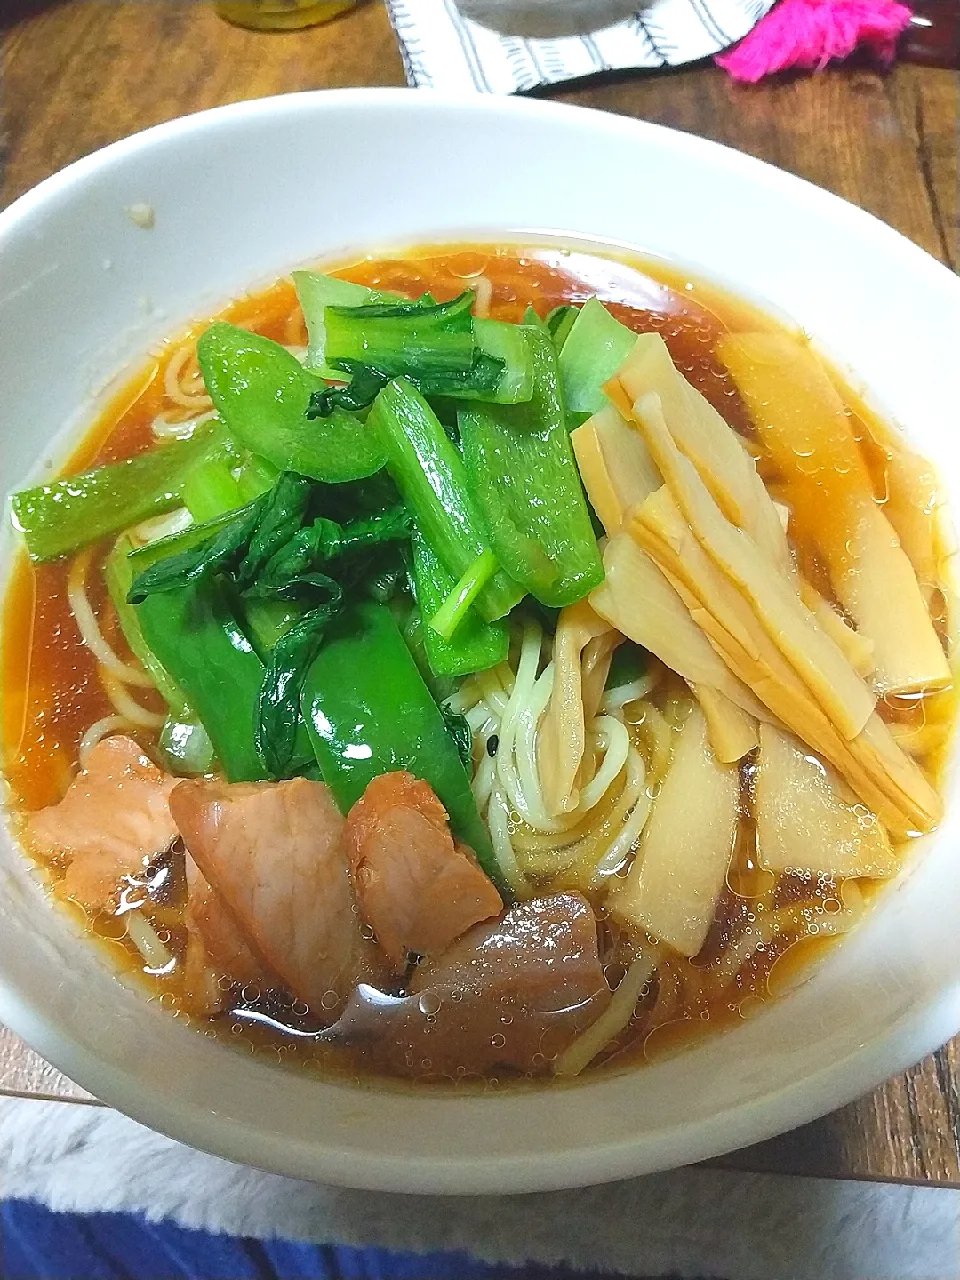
(118, 574)
(520, 466)
(281, 514)
(629, 662)
(459, 730)
(316, 292)
(212, 488)
(240, 545)
(498, 367)
(222, 545)
(364, 386)
(228, 479)
(559, 322)
(183, 742)
(278, 706)
(262, 393)
(369, 712)
(594, 349)
(59, 518)
(435, 346)
(185, 746)
(430, 475)
(326, 540)
(195, 636)
(404, 338)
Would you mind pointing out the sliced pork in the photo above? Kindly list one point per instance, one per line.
(274, 853)
(514, 992)
(112, 821)
(416, 889)
(217, 955)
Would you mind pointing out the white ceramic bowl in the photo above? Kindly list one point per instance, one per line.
(240, 196)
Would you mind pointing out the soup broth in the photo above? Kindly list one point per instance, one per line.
(768, 926)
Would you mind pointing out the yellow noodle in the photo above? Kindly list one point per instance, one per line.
(144, 937)
(483, 288)
(173, 425)
(89, 627)
(102, 729)
(181, 388)
(614, 1019)
(127, 706)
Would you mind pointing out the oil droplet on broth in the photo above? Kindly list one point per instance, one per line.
(429, 1004)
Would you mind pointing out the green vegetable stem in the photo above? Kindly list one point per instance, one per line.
(520, 465)
(476, 645)
(193, 634)
(430, 475)
(59, 518)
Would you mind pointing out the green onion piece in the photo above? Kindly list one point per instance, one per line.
(594, 349)
(454, 608)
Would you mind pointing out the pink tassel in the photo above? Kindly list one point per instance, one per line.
(811, 33)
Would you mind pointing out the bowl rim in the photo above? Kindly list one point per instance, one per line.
(915, 1035)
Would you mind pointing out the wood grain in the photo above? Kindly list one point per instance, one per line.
(79, 74)
(23, 1073)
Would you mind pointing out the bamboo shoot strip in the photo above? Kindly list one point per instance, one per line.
(807, 820)
(673, 886)
(714, 448)
(615, 466)
(562, 737)
(637, 599)
(771, 599)
(808, 434)
(879, 773)
(728, 472)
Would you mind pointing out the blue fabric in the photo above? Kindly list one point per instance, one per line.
(36, 1244)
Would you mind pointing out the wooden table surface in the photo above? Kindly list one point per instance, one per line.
(81, 73)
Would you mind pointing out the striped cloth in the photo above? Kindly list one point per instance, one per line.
(442, 49)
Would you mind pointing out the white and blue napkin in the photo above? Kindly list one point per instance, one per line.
(444, 49)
